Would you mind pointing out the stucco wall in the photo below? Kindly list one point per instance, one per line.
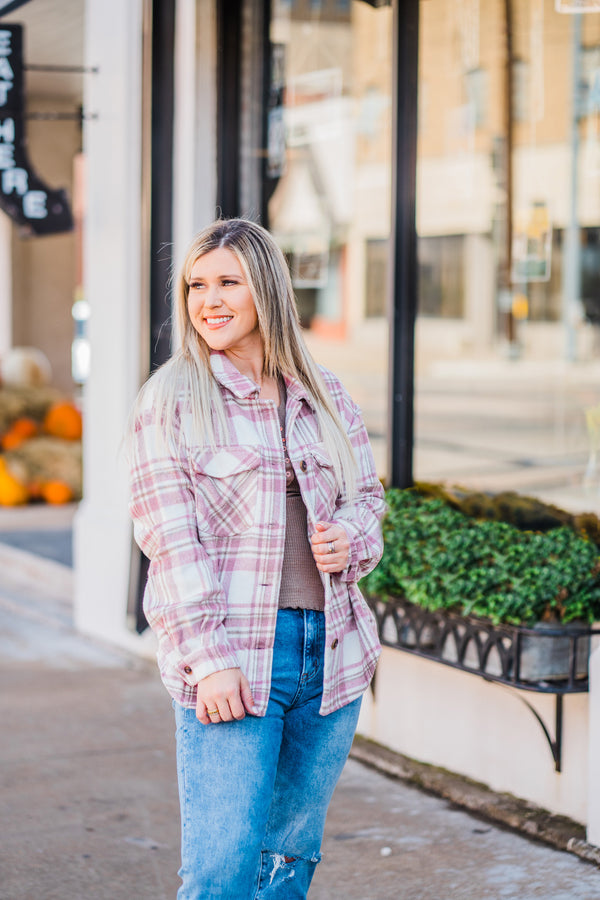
(449, 718)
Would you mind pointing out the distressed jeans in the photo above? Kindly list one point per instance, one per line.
(254, 793)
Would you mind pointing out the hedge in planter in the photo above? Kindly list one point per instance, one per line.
(439, 558)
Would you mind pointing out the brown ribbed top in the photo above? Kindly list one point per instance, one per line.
(301, 586)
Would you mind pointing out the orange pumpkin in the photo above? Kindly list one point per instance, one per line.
(20, 431)
(56, 492)
(63, 420)
(12, 491)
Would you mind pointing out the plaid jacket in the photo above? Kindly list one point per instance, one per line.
(213, 526)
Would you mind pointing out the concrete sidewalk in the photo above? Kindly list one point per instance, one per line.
(89, 803)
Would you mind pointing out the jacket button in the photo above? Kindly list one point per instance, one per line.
(334, 644)
(188, 670)
(303, 465)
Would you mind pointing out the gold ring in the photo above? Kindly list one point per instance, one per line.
(331, 546)
(212, 712)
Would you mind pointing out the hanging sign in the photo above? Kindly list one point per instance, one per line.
(23, 195)
(532, 244)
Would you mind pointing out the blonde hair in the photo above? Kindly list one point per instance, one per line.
(188, 372)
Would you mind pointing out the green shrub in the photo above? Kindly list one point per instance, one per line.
(440, 558)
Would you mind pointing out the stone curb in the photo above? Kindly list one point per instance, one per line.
(559, 832)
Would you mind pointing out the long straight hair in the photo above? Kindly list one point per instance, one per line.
(188, 373)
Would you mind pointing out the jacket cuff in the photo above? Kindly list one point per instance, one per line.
(356, 554)
(205, 661)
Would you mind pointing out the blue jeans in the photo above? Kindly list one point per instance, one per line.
(254, 793)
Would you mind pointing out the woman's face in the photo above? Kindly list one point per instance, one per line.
(220, 305)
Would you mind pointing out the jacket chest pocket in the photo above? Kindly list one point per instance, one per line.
(324, 480)
(226, 484)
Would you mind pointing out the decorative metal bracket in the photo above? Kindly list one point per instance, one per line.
(548, 659)
(68, 70)
(78, 116)
(556, 744)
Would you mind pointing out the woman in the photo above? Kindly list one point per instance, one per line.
(255, 497)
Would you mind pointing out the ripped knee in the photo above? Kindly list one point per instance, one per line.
(280, 867)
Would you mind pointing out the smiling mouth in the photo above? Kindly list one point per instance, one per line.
(217, 320)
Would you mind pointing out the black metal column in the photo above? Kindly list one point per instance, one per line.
(272, 98)
(229, 18)
(161, 215)
(403, 243)
(161, 223)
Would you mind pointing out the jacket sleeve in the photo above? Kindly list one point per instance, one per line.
(361, 516)
(183, 601)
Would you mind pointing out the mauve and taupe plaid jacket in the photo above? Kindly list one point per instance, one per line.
(213, 525)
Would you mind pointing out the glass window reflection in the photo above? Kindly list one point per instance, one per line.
(330, 206)
(508, 220)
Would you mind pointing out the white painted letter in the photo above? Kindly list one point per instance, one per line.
(7, 131)
(7, 156)
(15, 180)
(34, 205)
(5, 69)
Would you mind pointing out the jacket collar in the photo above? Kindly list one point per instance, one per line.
(242, 387)
(229, 377)
(296, 391)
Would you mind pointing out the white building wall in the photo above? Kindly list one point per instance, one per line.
(593, 773)
(195, 140)
(450, 718)
(115, 278)
(112, 275)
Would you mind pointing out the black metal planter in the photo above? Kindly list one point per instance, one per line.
(551, 659)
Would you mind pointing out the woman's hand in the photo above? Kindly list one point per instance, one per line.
(224, 696)
(330, 547)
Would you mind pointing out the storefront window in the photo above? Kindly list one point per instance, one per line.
(508, 219)
(329, 164)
